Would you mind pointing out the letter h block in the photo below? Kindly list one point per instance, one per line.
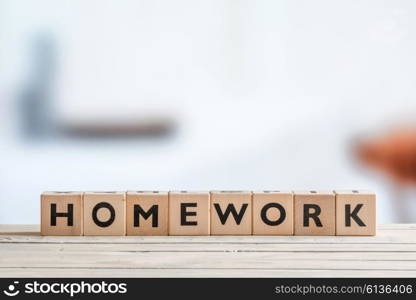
(61, 213)
(189, 213)
(356, 212)
(147, 213)
(104, 213)
(314, 213)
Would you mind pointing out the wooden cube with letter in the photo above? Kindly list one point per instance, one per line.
(355, 212)
(231, 213)
(61, 213)
(314, 213)
(104, 213)
(189, 213)
(147, 213)
(272, 213)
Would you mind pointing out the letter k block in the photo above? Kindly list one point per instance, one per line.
(356, 213)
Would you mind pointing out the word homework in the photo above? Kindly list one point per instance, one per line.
(190, 213)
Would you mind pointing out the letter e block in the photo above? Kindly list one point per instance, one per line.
(61, 213)
(314, 213)
(356, 213)
(231, 213)
(188, 213)
(273, 213)
(104, 213)
(147, 213)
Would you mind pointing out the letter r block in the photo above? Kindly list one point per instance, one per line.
(147, 213)
(189, 213)
(61, 213)
(356, 213)
(272, 213)
(314, 213)
(231, 213)
(104, 213)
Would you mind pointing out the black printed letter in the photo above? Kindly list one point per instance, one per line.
(112, 214)
(185, 213)
(307, 215)
(279, 221)
(69, 215)
(353, 215)
(138, 210)
(230, 209)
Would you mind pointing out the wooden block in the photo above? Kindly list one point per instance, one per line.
(147, 213)
(188, 213)
(356, 213)
(231, 213)
(61, 213)
(104, 213)
(273, 213)
(314, 213)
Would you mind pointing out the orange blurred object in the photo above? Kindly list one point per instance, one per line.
(393, 153)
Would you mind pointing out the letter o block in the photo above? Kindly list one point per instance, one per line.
(104, 213)
(356, 212)
(314, 213)
(272, 213)
(189, 213)
(61, 213)
(147, 213)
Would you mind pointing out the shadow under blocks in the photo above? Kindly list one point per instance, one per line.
(202, 213)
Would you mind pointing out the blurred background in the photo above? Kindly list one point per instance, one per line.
(217, 94)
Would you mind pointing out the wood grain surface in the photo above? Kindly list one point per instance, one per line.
(25, 253)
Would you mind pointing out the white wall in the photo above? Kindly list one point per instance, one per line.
(266, 93)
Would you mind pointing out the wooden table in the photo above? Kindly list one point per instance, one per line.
(24, 253)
